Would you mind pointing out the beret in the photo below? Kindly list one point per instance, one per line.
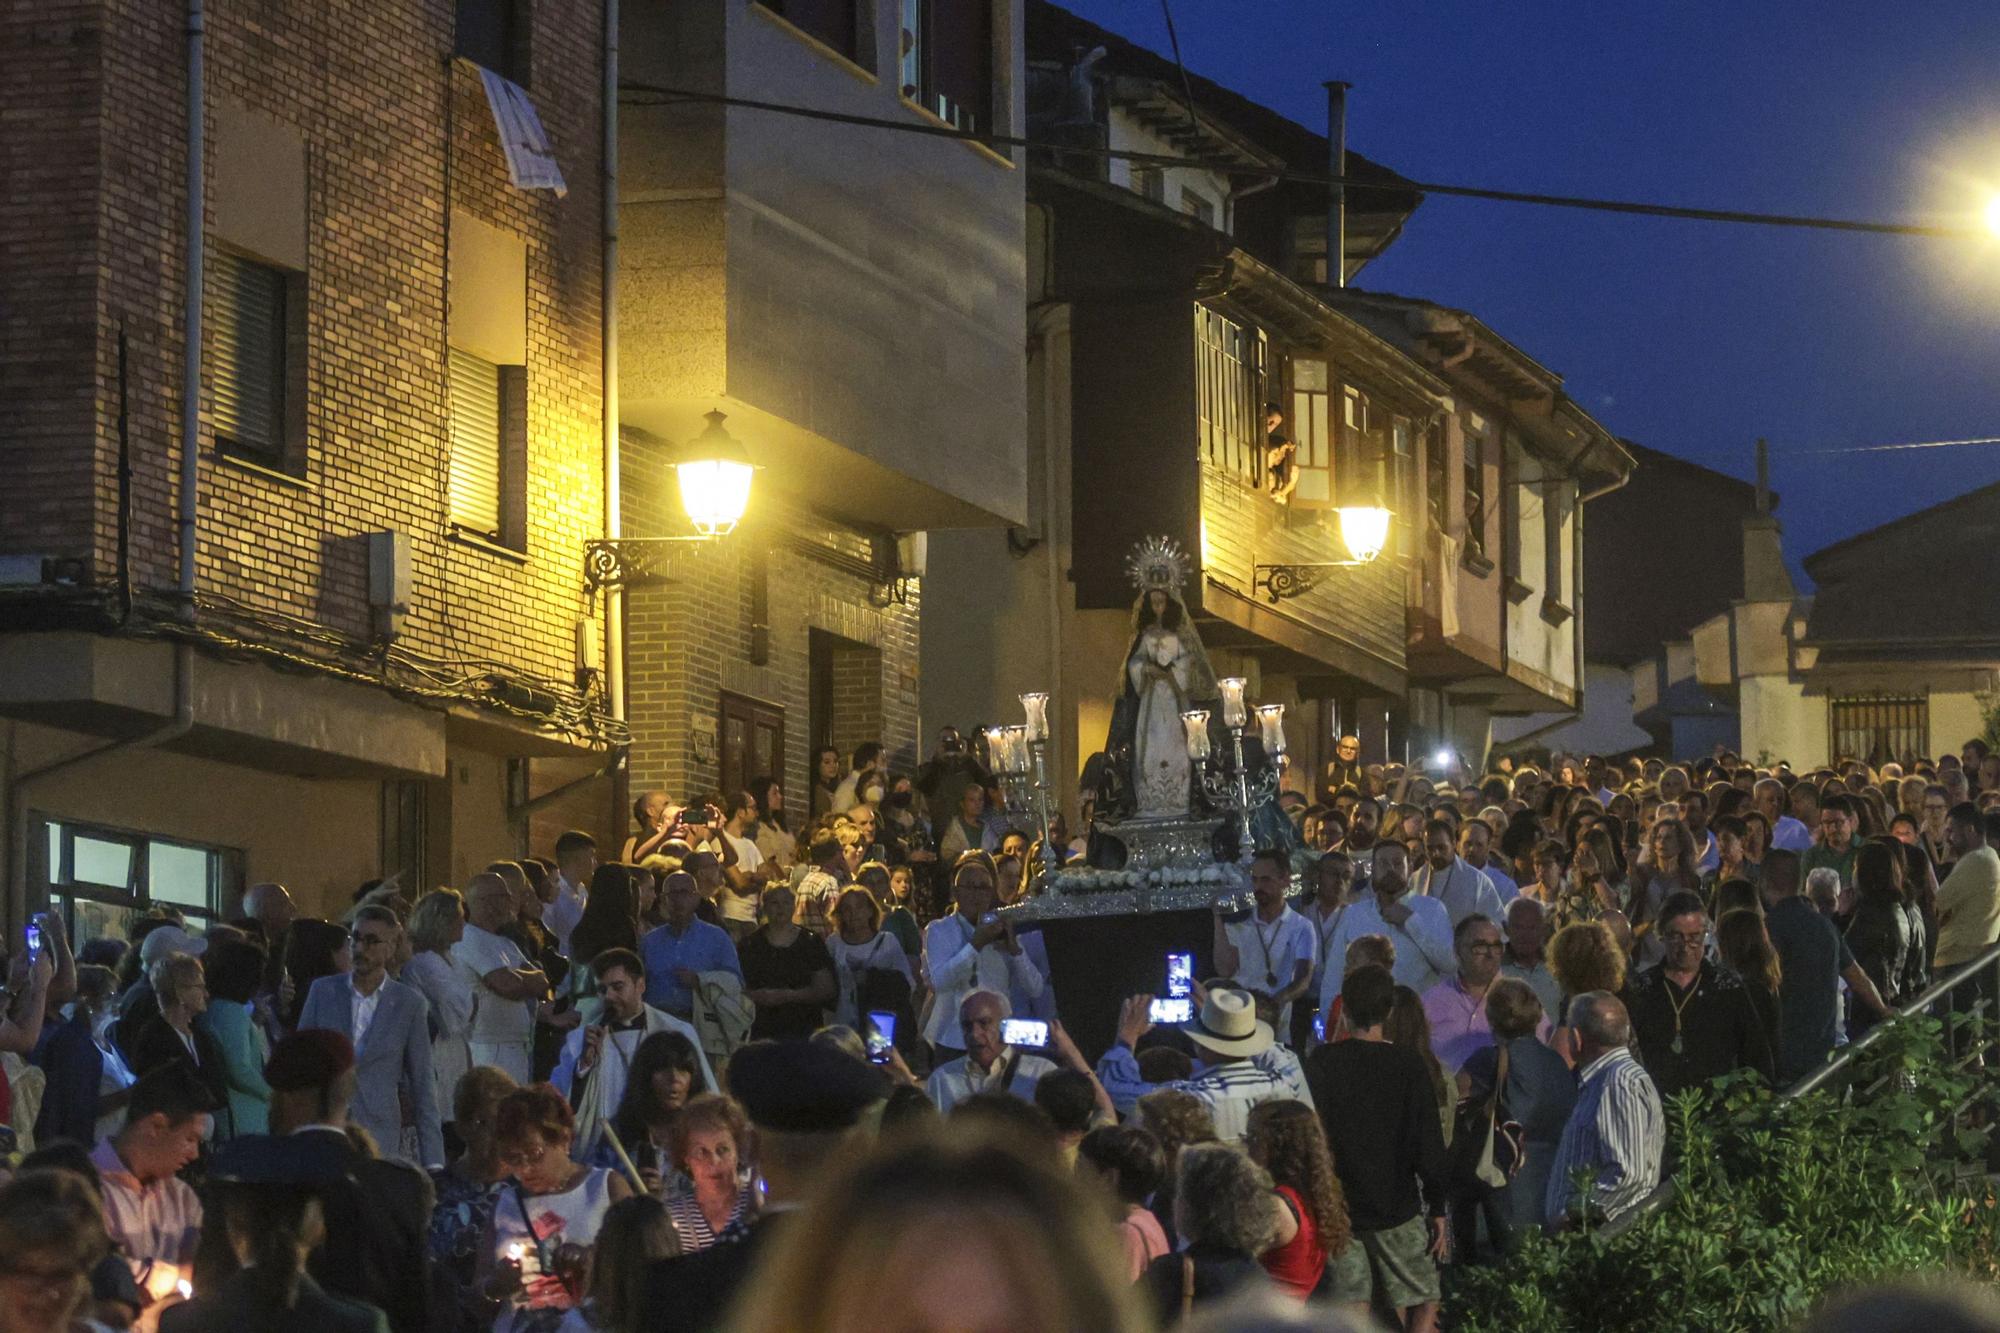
(802, 1087)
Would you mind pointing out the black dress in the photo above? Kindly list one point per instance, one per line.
(158, 1045)
(1878, 935)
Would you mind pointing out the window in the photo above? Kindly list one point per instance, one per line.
(1312, 431)
(1555, 540)
(1362, 453)
(258, 314)
(404, 828)
(1229, 394)
(1475, 486)
(947, 66)
(1878, 729)
(100, 880)
(830, 22)
(1150, 182)
(487, 382)
(1198, 206)
(486, 412)
(495, 34)
(1400, 491)
(1434, 475)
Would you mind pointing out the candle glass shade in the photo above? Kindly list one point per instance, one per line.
(1017, 750)
(1233, 714)
(1271, 723)
(1036, 708)
(1196, 722)
(996, 748)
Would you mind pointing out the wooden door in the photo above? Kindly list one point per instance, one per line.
(753, 742)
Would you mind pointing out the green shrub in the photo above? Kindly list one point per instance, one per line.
(1777, 1202)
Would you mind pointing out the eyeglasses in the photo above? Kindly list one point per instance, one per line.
(366, 940)
(1679, 937)
(1485, 946)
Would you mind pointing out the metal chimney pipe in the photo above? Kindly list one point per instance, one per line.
(1763, 477)
(1336, 162)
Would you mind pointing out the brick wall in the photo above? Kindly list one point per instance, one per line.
(394, 137)
(690, 640)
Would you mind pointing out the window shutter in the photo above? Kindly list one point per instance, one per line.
(249, 380)
(475, 444)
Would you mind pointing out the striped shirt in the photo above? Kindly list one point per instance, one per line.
(1228, 1090)
(692, 1224)
(149, 1222)
(1615, 1133)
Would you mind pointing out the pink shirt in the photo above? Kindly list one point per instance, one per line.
(1458, 1024)
(1144, 1239)
(156, 1223)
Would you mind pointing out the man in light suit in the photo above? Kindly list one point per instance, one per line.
(389, 1024)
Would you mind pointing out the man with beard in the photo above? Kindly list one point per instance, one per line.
(1417, 925)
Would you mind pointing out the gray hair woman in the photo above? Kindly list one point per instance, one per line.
(437, 923)
(1222, 1211)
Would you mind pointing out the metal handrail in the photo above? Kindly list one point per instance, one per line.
(1818, 1078)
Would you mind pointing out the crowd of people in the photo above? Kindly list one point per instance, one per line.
(740, 1073)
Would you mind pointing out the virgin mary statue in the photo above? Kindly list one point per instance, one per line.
(1165, 673)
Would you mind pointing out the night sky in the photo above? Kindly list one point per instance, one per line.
(1691, 337)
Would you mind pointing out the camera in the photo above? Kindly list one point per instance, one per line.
(1024, 1032)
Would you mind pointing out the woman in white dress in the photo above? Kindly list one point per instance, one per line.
(437, 923)
(858, 943)
(1166, 672)
(537, 1247)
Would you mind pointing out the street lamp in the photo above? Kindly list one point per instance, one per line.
(1364, 531)
(714, 472)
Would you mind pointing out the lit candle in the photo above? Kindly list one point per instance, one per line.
(1017, 750)
(185, 1288)
(996, 748)
(1036, 707)
(516, 1252)
(1196, 722)
(1271, 721)
(1233, 715)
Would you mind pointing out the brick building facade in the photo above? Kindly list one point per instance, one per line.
(351, 155)
(780, 620)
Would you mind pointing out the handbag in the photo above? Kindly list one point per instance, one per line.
(1488, 1146)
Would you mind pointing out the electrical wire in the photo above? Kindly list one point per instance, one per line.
(1891, 448)
(1187, 88)
(232, 629)
(667, 96)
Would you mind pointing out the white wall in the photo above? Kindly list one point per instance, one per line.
(1127, 135)
(1780, 720)
(1603, 726)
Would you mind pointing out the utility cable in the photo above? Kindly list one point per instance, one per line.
(667, 96)
(1889, 448)
(1187, 88)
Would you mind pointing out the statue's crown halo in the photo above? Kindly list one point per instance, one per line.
(1157, 563)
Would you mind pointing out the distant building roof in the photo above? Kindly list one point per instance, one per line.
(1055, 36)
(1661, 554)
(1928, 582)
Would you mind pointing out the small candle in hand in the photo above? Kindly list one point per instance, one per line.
(185, 1288)
(516, 1252)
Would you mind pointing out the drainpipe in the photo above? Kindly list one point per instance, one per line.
(191, 327)
(1336, 204)
(182, 720)
(614, 598)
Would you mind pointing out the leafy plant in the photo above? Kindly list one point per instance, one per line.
(1777, 1202)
